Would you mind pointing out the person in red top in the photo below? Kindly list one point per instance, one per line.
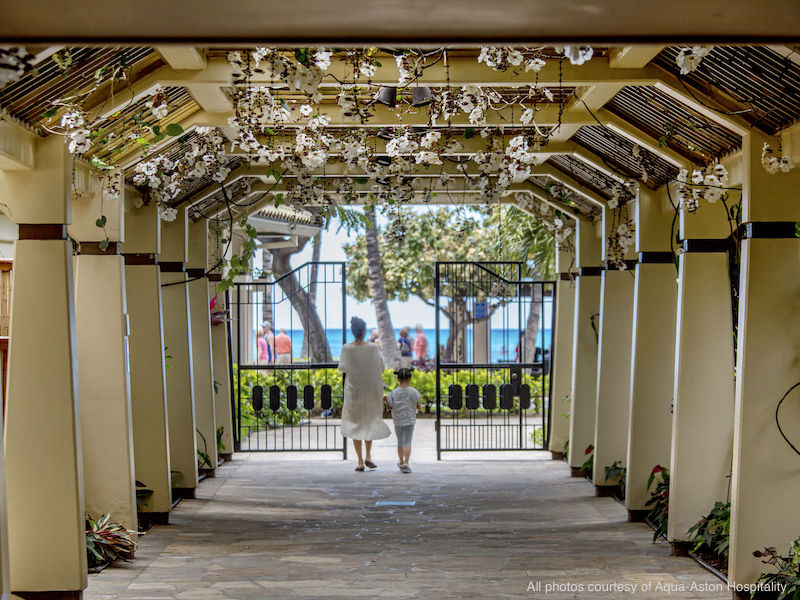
(421, 346)
(283, 348)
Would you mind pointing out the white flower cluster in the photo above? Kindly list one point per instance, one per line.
(406, 74)
(772, 164)
(577, 55)
(546, 215)
(501, 59)
(157, 103)
(704, 184)
(75, 128)
(688, 59)
(14, 63)
(621, 194)
(618, 244)
(163, 178)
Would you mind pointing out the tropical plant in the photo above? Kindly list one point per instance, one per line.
(712, 532)
(787, 576)
(659, 500)
(203, 460)
(617, 472)
(220, 441)
(587, 468)
(107, 541)
(143, 493)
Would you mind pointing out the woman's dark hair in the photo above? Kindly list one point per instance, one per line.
(403, 374)
(358, 327)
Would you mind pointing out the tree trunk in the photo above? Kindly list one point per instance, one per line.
(391, 355)
(312, 289)
(319, 349)
(458, 319)
(532, 327)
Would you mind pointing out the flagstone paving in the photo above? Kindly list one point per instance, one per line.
(481, 526)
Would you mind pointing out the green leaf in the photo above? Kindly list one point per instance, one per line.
(104, 243)
(142, 141)
(274, 174)
(302, 55)
(101, 222)
(159, 137)
(469, 132)
(269, 132)
(156, 129)
(174, 129)
(362, 180)
(50, 113)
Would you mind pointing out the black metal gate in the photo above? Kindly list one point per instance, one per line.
(493, 365)
(286, 332)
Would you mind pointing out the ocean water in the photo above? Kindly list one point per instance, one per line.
(502, 342)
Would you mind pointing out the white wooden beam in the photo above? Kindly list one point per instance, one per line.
(17, 148)
(183, 57)
(633, 57)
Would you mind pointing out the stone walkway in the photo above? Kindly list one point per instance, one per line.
(481, 526)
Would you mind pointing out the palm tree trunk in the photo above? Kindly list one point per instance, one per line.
(312, 291)
(391, 355)
(266, 269)
(532, 326)
(319, 349)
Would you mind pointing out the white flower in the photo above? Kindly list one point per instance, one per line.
(515, 57)
(306, 110)
(79, 141)
(534, 64)
(167, 213)
(430, 139)
(427, 157)
(527, 116)
(697, 177)
(577, 55)
(688, 59)
(314, 159)
(322, 58)
(683, 175)
(548, 94)
(367, 69)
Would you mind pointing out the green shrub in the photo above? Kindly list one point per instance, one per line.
(712, 532)
(659, 500)
(107, 541)
(788, 574)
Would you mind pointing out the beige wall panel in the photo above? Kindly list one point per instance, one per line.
(105, 403)
(613, 372)
(148, 385)
(562, 365)
(180, 388)
(43, 451)
(5, 574)
(142, 228)
(202, 368)
(766, 472)
(703, 421)
(222, 375)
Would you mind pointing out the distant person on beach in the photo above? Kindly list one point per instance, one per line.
(283, 348)
(362, 409)
(406, 347)
(421, 346)
(266, 344)
(404, 402)
(375, 337)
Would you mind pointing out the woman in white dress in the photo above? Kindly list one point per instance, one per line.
(362, 410)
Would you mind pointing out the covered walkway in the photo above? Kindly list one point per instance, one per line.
(482, 526)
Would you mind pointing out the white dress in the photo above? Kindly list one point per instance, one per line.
(362, 411)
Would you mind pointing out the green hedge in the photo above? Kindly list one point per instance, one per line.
(424, 382)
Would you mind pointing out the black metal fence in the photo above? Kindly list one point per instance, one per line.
(285, 333)
(493, 360)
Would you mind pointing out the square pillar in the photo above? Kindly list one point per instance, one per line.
(766, 471)
(5, 574)
(104, 387)
(561, 375)
(653, 349)
(702, 431)
(202, 366)
(221, 357)
(613, 360)
(146, 355)
(178, 343)
(44, 478)
(585, 342)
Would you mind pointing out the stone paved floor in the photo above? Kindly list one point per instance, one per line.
(483, 526)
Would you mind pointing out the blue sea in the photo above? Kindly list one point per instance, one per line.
(503, 342)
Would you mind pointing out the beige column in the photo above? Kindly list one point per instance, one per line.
(103, 385)
(202, 366)
(702, 430)
(653, 349)
(5, 575)
(220, 341)
(220, 358)
(146, 350)
(561, 376)
(47, 544)
(766, 471)
(613, 360)
(584, 345)
(178, 341)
